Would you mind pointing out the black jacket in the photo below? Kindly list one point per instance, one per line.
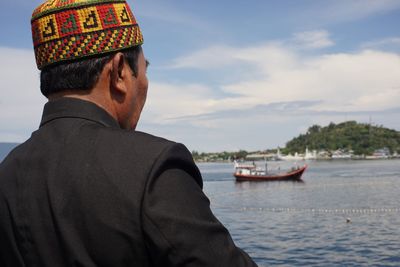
(83, 192)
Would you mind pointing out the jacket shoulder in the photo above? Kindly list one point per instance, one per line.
(139, 147)
(134, 141)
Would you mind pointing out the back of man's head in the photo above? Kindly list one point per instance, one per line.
(81, 75)
(74, 39)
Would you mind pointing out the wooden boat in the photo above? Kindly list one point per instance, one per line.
(252, 173)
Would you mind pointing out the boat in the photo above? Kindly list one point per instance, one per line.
(252, 173)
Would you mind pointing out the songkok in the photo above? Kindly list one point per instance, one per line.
(68, 30)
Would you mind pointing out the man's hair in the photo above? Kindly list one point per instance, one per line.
(81, 75)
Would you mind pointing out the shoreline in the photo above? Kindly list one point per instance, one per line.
(301, 160)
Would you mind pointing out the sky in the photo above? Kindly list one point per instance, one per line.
(230, 75)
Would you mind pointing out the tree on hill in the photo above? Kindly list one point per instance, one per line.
(359, 137)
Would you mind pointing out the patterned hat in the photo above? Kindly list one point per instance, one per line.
(65, 30)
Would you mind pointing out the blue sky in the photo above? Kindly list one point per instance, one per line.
(229, 75)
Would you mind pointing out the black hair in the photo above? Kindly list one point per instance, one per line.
(81, 75)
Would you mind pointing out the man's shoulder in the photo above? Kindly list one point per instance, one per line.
(138, 144)
(140, 151)
(153, 139)
(135, 138)
(15, 152)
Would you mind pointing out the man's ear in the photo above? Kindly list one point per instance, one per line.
(118, 73)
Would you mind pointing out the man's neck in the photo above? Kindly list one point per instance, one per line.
(87, 95)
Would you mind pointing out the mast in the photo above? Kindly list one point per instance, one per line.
(266, 165)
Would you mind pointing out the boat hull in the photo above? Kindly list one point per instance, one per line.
(289, 176)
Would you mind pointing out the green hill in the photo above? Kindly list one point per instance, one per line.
(359, 137)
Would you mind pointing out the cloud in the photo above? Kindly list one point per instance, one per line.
(343, 81)
(294, 108)
(20, 98)
(281, 91)
(168, 101)
(362, 81)
(284, 110)
(168, 14)
(386, 43)
(313, 39)
(211, 57)
(218, 56)
(344, 10)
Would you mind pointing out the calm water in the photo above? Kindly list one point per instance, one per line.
(304, 224)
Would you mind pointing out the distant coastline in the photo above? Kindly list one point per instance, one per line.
(344, 141)
(228, 157)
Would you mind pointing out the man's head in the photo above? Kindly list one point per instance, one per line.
(69, 30)
(82, 74)
(91, 49)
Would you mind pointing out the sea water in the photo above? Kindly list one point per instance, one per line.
(345, 213)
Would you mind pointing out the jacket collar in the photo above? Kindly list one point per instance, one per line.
(67, 107)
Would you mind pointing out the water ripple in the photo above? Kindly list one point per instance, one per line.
(343, 215)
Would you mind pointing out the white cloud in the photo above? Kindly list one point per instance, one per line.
(168, 101)
(393, 41)
(169, 14)
(344, 10)
(340, 80)
(313, 39)
(20, 99)
(332, 84)
(266, 56)
(211, 57)
(346, 82)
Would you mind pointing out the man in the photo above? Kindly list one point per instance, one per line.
(86, 189)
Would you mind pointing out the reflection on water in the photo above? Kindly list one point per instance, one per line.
(289, 223)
